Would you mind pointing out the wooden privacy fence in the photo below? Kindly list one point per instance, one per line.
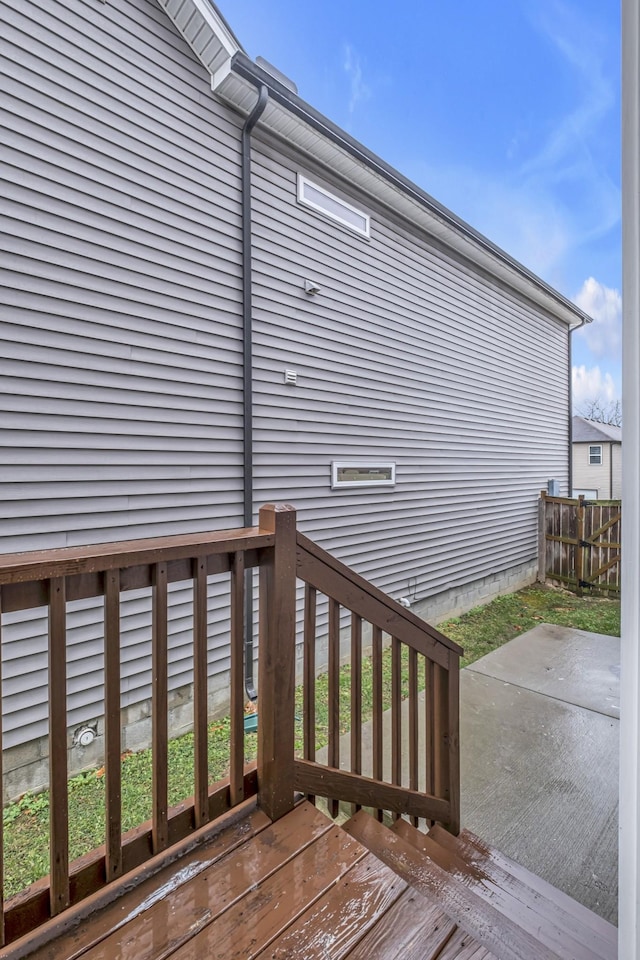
(423, 735)
(579, 543)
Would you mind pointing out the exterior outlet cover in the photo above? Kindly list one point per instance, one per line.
(291, 377)
(85, 736)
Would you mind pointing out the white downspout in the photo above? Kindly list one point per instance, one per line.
(629, 831)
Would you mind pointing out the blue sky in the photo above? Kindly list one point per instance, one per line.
(506, 111)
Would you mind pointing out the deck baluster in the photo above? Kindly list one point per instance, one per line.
(309, 687)
(112, 732)
(429, 728)
(453, 741)
(356, 696)
(58, 790)
(334, 694)
(160, 731)
(200, 692)
(376, 654)
(396, 713)
(413, 723)
(236, 706)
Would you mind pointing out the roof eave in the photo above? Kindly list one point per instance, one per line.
(235, 78)
(291, 117)
(205, 30)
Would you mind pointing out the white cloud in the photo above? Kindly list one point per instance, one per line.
(358, 89)
(589, 383)
(604, 335)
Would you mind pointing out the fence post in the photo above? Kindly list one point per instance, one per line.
(580, 550)
(542, 537)
(276, 662)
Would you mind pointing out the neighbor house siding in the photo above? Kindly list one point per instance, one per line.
(407, 354)
(605, 477)
(121, 336)
(616, 471)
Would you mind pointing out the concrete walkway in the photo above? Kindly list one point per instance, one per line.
(539, 758)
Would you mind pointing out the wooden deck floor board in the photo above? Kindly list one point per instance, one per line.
(462, 946)
(483, 856)
(103, 922)
(156, 928)
(304, 887)
(410, 929)
(498, 933)
(509, 895)
(342, 917)
(267, 911)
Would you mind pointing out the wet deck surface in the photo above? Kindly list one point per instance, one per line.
(306, 888)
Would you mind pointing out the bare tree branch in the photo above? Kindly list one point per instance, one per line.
(601, 411)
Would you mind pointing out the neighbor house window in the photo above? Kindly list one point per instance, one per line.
(348, 474)
(595, 454)
(311, 195)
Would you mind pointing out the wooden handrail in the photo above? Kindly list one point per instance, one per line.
(72, 561)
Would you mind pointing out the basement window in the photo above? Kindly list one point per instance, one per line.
(345, 473)
(319, 199)
(595, 455)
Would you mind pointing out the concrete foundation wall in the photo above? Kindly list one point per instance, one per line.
(26, 766)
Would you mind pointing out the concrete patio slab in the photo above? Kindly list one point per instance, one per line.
(539, 758)
(569, 665)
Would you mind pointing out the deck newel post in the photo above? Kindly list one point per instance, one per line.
(453, 735)
(276, 662)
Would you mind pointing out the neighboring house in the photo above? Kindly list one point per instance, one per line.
(597, 459)
(201, 315)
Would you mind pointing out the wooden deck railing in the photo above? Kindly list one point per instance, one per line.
(55, 578)
(412, 767)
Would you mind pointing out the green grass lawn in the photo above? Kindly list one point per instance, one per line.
(484, 629)
(479, 631)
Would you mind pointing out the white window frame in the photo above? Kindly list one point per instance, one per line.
(303, 181)
(337, 465)
(595, 450)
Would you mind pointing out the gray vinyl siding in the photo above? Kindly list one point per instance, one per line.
(120, 368)
(407, 354)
